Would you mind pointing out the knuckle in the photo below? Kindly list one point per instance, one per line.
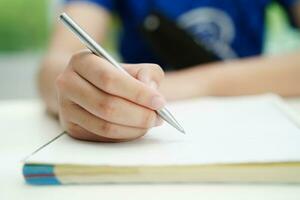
(140, 94)
(148, 120)
(74, 58)
(60, 82)
(65, 113)
(106, 128)
(107, 107)
(83, 120)
(77, 58)
(158, 70)
(64, 81)
(107, 80)
(74, 130)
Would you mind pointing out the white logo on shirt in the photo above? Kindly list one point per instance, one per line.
(212, 27)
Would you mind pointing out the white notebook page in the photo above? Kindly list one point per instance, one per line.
(218, 130)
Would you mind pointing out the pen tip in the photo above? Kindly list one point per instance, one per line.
(167, 116)
(182, 131)
(179, 128)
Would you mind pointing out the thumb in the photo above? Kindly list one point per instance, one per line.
(150, 74)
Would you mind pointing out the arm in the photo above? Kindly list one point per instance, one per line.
(63, 44)
(93, 100)
(279, 74)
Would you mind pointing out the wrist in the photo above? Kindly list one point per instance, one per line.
(51, 67)
(190, 83)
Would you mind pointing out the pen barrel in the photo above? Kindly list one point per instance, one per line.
(89, 42)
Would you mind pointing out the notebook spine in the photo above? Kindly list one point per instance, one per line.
(35, 174)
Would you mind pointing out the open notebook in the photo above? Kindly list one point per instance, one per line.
(242, 139)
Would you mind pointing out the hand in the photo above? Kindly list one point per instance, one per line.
(97, 102)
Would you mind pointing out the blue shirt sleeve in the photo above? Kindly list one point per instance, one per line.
(107, 4)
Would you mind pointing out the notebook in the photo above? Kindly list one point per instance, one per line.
(234, 140)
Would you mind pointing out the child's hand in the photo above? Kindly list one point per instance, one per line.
(98, 102)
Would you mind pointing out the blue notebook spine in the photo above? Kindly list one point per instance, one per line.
(35, 174)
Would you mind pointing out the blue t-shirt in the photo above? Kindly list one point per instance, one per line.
(230, 28)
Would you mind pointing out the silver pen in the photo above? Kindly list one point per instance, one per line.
(99, 51)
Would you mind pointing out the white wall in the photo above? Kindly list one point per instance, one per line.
(18, 75)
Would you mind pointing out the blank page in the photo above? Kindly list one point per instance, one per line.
(218, 130)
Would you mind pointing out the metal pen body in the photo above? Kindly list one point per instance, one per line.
(98, 50)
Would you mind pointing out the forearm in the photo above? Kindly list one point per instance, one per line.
(63, 44)
(51, 67)
(277, 74)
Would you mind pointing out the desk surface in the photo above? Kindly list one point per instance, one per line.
(25, 126)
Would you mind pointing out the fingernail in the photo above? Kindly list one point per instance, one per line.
(158, 121)
(157, 102)
(153, 85)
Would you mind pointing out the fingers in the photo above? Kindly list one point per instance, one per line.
(107, 78)
(80, 133)
(98, 102)
(110, 108)
(83, 125)
(150, 74)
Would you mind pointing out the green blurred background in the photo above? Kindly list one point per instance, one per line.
(25, 26)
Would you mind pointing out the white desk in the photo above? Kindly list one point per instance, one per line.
(24, 126)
